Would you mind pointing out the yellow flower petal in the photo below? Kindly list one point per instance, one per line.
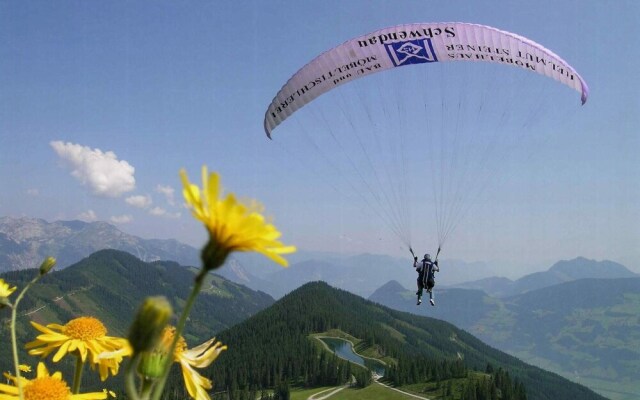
(41, 370)
(6, 289)
(8, 389)
(62, 351)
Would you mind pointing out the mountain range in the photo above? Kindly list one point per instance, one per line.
(560, 272)
(587, 330)
(25, 242)
(361, 274)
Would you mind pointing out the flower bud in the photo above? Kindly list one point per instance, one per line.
(152, 365)
(47, 264)
(153, 315)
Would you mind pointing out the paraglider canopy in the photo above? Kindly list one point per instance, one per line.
(420, 43)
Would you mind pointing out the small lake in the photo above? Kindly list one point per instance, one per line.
(344, 349)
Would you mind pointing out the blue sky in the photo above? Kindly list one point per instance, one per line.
(142, 89)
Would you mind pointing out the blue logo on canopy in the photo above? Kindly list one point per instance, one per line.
(411, 52)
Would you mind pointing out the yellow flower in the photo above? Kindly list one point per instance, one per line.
(199, 357)
(5, 292)
(85, 337)
(232, 225)
(44, 386)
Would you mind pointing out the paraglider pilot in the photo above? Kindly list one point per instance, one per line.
(426, 276)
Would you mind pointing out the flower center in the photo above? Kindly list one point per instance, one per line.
(85, 328)
(47, 388)
(167, 337)
(181, 346)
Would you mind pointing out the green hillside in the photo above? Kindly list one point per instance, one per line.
(110, 285)
(587, 330)
(274, 346)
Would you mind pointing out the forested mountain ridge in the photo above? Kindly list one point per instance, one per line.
(276, 343)
(111, 284)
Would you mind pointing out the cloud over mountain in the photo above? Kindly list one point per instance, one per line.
(100, 171)
(121, 219)
(139, 201)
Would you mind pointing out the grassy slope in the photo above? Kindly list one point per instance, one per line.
(371, 392)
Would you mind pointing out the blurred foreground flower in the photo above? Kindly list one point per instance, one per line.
(44, 386)
(151, 318)
(199, 357)
(85, 337)
(232, 225)
(47, 265)
(5, 292)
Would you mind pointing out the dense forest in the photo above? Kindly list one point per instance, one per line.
(275, 346)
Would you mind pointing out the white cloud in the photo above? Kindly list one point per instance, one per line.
(121, 219)
(168, 192)
(33, 192)
(88, 216)
(139, 201)
(158, 211)
(102, 172)
(161, 212)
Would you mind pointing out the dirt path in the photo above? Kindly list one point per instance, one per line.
(402, 391)
(331, 391)
(57, 299)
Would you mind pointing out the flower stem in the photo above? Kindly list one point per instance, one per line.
(129, 378)
(179, 328)
(14, 341)
(77, 376)
(147, 386)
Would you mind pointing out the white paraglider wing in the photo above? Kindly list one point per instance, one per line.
(420, 43)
